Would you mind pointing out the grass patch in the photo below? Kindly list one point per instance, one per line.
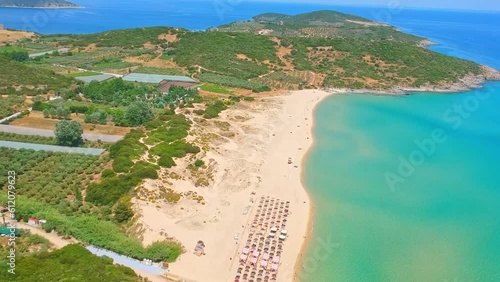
(215, 88)
(166, 57)
(112, 65)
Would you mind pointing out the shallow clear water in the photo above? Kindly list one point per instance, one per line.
(434, 218)
(408, 188)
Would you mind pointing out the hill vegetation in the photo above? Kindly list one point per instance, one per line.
(71, 263)
(22, 79)
(323, 24)
(271, 51)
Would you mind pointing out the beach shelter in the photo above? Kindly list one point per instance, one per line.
(265, 256)
(263, 263)
(253, 261)
(243, 258)
(284, 232)
(274, 267)
(256, 254)
(276, 259)
(246, 250)
(274, 229)
(282, 237)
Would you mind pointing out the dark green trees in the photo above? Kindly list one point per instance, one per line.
(69, 133)
(138, 113)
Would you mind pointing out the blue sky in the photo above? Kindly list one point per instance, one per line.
(487, 5)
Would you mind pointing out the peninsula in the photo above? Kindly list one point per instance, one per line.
(46, 4)
(213, 127)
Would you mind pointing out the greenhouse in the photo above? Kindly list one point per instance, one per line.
(155, 78)
(100, 77)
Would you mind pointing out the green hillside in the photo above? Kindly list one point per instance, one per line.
(320, 24)
(271, 51)
(24, 79)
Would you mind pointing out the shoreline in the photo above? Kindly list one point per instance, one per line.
(312, 207)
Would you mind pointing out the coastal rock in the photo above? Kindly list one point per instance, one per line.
(470, 81)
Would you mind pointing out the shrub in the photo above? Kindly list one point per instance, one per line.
(107, 173)
(166, 161)
(213, 109)
(199, 163)
(123, 211)
(199, 112)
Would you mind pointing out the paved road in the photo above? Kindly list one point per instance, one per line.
(34, 55)
(50, 133)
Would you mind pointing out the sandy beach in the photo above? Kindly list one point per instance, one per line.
(247, 159)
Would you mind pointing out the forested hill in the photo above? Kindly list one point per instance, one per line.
(326, 24)
(322, 49)
(37, 4)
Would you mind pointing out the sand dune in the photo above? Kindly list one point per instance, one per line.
(250, 161)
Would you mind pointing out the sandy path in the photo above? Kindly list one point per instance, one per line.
(56, 240)
(250, 165)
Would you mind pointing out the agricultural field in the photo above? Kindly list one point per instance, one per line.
(22, 79)
(50, 177)
(11, 104)
(231, 81)
(164, 71)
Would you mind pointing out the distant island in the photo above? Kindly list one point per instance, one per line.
(48, 4)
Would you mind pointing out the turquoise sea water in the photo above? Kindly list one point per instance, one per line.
(439, 221)
(408, 188)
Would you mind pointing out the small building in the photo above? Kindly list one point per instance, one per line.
(33, 221)
(167, 83)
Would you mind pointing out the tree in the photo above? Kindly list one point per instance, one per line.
(138, 113)
(123, 212)
(46, 113)
(68, 133)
